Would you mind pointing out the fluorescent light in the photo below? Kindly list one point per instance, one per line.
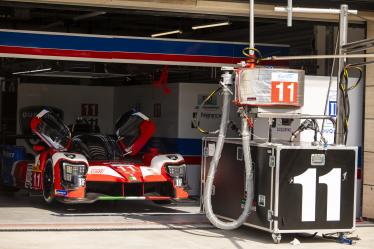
(178, 31)
(89, 15)
(33, 71)
(211, 25)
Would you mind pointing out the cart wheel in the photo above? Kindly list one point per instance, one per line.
(277, 237)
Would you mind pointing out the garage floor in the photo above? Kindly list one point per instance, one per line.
(26, 222)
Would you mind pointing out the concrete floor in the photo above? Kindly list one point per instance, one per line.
(26, 222)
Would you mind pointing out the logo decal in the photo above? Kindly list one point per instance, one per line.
(172, 157)
(61, 192)
(71, 156)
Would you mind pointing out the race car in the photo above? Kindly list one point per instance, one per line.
(90, 167)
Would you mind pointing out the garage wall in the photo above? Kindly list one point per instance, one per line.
(69, 98)
(368, 173)
(161, 108)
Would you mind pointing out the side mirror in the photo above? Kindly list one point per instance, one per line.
(39, 148)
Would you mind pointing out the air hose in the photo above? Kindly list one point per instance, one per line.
(227, 81)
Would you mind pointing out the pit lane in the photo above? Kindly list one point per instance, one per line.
(22, 212)
(27, 222)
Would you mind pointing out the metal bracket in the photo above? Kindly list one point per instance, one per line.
(272, 161)
(271, 216)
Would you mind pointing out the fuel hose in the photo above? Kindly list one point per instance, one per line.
(208, 188)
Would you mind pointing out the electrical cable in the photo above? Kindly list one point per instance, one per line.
(364, 18)
(344, 88)
(362, 63)
(330, 82)
(247, 54)
(196, 119)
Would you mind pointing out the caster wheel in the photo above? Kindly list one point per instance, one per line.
(277, 237)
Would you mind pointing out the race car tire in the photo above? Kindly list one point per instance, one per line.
(162, 202)
(48, 184)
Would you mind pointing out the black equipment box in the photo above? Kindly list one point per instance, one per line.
(298, 188)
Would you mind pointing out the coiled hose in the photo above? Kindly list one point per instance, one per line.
(214, 164)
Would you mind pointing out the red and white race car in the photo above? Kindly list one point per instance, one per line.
(90, 167)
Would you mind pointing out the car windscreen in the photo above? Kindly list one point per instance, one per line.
(130, 130)
(53, 131)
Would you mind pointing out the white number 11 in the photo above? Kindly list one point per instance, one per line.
(308, 182)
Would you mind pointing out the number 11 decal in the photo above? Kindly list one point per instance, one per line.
(284, 92)
(308, 182)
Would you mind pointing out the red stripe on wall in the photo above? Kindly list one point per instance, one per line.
(128, 56)
(116, 55)
(192, 159)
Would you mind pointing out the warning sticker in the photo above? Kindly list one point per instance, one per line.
(284, 77)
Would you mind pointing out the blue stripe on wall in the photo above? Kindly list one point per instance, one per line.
(184, 146)
(131, 44)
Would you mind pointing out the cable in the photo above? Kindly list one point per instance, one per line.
(362, 63)
(364, 18)
(359, 78)
(247, 54)
(196, 121)
(330, 83)
(344, 88)
(309, 124)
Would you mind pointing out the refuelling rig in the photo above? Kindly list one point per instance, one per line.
(282, 185)
(273, 185)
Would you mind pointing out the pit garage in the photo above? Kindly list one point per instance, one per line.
(111, 114)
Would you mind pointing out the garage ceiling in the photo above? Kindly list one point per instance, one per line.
(131, 22)
(263, 8)
(367, 5)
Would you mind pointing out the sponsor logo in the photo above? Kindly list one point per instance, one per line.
(332, 108)
(61, 192)
(283, 129)
(28, 179)
(96, 171)
(132, 178)
(172, 157)
(71, 156)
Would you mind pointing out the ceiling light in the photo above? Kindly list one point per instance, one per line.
(33, 71)
(178, 31)
(211, 25)
(89, 15)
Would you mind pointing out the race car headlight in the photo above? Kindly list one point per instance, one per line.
(177, 171)
(74, 173)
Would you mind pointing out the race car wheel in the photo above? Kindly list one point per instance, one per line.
(48, 184)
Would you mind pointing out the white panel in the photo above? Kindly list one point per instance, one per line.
(69, 98)
(314, 103)
(190, 97)
(144, 98)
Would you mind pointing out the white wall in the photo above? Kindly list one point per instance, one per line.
(143, 98)
(69, 98)
(314, 103)
(190, 97)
